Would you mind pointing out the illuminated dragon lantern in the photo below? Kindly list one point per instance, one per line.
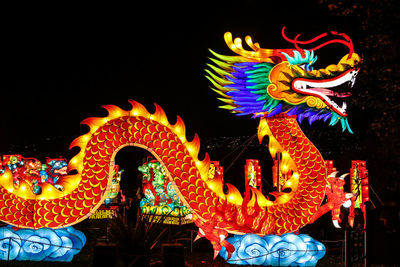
(278, 86)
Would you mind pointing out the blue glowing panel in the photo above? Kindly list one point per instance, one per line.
(44, 244)
(285, 250)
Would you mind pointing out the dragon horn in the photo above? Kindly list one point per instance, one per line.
(333, 174)
(258, 54)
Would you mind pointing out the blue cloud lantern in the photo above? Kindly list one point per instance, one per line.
(44, 244)
(285, 250)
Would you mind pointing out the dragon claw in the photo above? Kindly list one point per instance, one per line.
(215, 235)
(197, 238)
(336, 223)
(216, 252)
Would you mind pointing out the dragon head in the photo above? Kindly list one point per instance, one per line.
(268, 82)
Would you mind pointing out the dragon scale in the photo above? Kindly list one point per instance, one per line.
(311, 178)
(153, 133)
(89, 187)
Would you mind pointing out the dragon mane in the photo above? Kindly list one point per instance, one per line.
(242, 81)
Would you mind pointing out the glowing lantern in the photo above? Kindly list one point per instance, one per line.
(44, 244)
(329, 167)
(273, 250)
(30, 177)
(359, 188)
(114, 191)
(252, 174)
(160, 198)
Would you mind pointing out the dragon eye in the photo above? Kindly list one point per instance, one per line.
(306, 67)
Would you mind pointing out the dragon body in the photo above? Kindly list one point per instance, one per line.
(270, 84)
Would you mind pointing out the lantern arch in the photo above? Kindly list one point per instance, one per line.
(86, 190)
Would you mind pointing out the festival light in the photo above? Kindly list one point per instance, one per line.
(105, 213)
(252, 175)
(114, 190)
(273, 250)
(359, 188)
(160, 197)
(28, 177)
(40, 245)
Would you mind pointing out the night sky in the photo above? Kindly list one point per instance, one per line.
(61, 65)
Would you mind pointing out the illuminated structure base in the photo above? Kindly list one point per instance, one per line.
(164, 219)
(165, 210)
(164, 214)
(285, 250)
(45, 244)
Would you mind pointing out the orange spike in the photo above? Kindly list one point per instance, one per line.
(216, 185)
(115, 112)
(234, 195)
(203, 167)
(180, 129)
(138, 109)
(263, 129)
(194, 146)
(75, 162)
(94, 123)
(206, 162)
(160, 115)
(261, 199)
(77, 142)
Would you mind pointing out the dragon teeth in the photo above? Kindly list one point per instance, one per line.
(344, 106)
(353, 78)
(352, 81)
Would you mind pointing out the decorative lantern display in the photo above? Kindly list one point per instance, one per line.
(160, 197)
(359, 188)
(283, 168)
(30, 174)
(273, 250)
(279, 86)
(105, 213)
(114, 191)
(44, 244)
(329, 167)
(252, 171)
